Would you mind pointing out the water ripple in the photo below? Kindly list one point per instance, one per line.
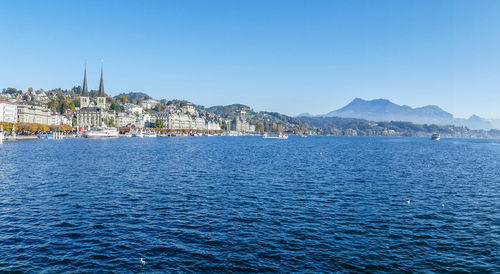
(248, 204)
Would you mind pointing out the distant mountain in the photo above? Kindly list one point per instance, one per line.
(474, 122)
(305, 115)
(495, 122)
(385, 110)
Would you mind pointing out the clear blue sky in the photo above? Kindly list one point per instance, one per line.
(286, 56)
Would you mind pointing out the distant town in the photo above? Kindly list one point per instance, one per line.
(32, 113)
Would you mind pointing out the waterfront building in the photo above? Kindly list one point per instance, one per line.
(126, 120)
(145, 120)
(213, 125)
(240, 125)
(93, 111)
(236, 124)
(8, 111)
(57, 119)
(30, 113)
(178, 120)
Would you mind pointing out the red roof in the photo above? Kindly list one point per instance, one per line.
(2, 100)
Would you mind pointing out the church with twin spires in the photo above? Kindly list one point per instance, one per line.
(93, 111)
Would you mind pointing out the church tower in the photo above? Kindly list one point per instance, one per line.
(101, 97)
(84, 96)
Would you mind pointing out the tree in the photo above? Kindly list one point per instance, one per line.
(259, 127)
(12, 91)
(159, 107)
(112, 122)
(116, 107)
(62, 107)
(159, 123)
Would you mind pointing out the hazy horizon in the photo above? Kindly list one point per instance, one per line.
(290, 57)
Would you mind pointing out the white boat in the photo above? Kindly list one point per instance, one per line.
(101, 133)
(280, 136)
(137, 133)
(436, 137)
(150, 134)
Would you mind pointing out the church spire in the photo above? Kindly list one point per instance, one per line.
(85, 92)
(101, 86)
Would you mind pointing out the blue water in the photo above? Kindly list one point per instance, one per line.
(249, 204)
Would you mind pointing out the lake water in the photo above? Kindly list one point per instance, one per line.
(250, 204)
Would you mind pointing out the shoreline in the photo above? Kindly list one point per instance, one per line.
(31, 138)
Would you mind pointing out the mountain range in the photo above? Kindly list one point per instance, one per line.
(385, 110)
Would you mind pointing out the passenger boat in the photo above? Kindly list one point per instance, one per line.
(280, 136)
(435, 136)
(101, 133)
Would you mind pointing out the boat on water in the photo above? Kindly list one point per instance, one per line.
(137, 133)
(279, 136)
(150, 134)
(101, 133)
(435, 136)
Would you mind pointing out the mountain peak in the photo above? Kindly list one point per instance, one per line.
(385, 110)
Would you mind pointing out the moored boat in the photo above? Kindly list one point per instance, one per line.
(137, 133)
(150, 134)
(101, 133)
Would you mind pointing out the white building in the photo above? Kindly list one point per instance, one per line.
(33, 114)
(177, 120)
(145, 120)
(149, 103)
(57, 119)
(8, 112)
(40, 96)
(126, 120)
(213, 125)
(131, 108)
(189, 109)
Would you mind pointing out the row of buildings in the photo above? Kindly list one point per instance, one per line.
(95, 112)
(30, 113)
